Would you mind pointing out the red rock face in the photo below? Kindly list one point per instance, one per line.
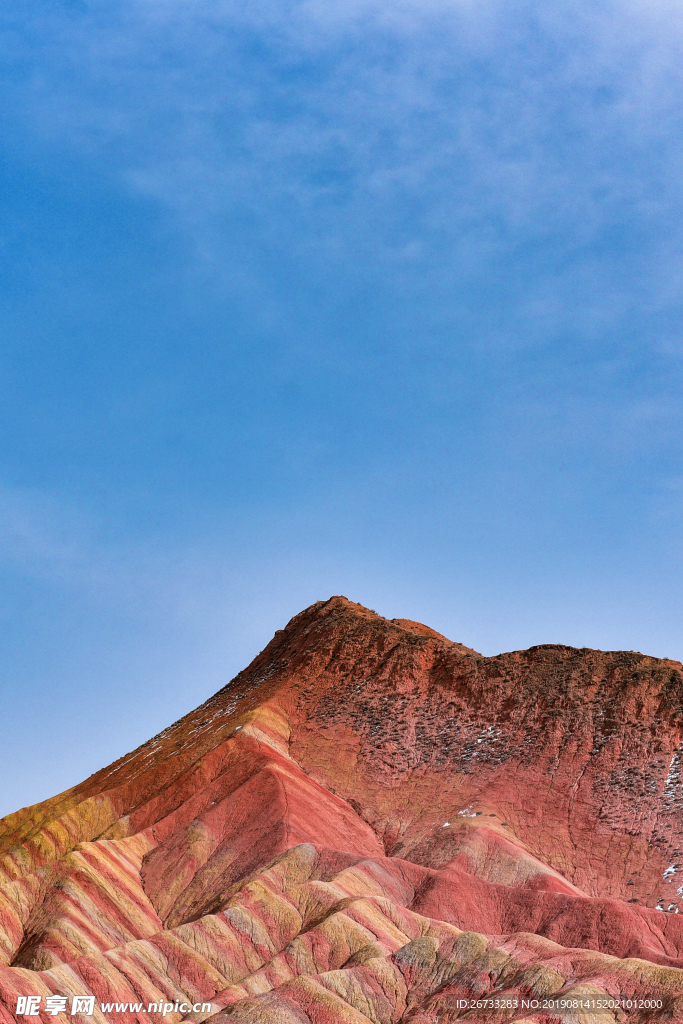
(370, 823)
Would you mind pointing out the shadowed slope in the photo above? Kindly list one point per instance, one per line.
(369, 823)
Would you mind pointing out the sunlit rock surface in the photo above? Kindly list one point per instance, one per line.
(370, 823)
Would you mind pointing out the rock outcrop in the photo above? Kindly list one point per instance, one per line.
(370, 823)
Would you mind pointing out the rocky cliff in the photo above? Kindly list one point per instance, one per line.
(370, 823)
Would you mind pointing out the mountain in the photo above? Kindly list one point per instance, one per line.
(369, 823)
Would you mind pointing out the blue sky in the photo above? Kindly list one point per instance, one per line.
(372, 297)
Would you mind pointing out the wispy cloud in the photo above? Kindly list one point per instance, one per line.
(441, 134)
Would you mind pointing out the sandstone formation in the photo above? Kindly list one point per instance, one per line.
(371, 823)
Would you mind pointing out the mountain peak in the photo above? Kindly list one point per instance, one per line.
(364, 787)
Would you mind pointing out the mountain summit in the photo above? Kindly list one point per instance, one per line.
(371, 823)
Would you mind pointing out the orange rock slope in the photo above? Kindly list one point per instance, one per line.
(370, 823)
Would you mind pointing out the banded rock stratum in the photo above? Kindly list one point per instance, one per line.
(370, 823)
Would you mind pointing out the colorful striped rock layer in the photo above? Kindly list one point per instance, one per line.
(369, 824)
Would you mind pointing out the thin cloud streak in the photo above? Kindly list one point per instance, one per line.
(167, 93)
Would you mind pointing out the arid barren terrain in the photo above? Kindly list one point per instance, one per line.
(370, 823)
